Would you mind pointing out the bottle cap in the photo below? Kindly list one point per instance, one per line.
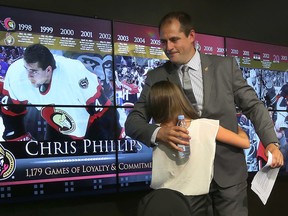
(180, 117)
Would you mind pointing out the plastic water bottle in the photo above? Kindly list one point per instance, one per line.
(186, 148)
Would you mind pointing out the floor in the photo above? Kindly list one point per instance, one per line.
(108, 205)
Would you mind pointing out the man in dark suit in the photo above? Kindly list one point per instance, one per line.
(218, 87)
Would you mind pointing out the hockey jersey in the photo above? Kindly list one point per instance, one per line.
(73, 97)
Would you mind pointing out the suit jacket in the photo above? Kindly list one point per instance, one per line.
(223, 87)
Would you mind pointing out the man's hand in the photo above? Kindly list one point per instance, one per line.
(173, 135)
(278, 159)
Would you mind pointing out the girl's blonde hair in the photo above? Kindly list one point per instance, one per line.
(166, 101)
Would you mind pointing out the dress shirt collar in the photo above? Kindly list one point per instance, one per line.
(195, 61)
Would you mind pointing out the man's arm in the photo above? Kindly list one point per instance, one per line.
(254, 109)
(137, 124)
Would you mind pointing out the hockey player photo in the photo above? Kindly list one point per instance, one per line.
(68, 96)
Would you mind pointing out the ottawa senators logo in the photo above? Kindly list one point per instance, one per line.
(9, 39)
(7, 163)
(8, 24)
(58, 119)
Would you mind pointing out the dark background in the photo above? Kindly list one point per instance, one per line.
(257, 20)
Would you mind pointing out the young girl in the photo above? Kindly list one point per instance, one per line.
(193, 175)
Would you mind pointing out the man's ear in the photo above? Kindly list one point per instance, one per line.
(192, 35)
(49, 69)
